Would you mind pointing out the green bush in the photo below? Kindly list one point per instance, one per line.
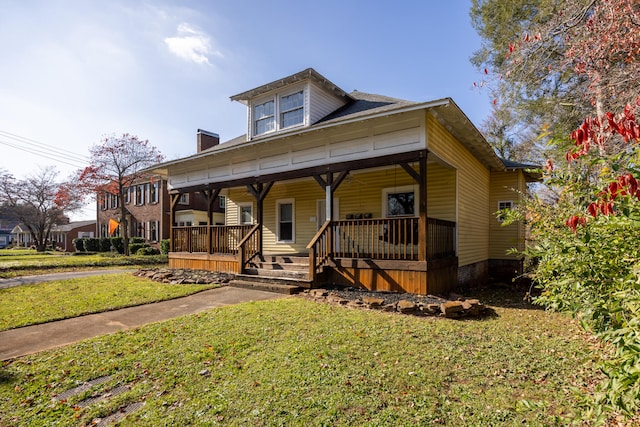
(147, 250)
(105, 244)
(78, 244)
(134, 247)
(164, 246)
(136, 240)
(118, 244)
(91, 244)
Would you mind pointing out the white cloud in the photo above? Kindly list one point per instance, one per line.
(191, 44)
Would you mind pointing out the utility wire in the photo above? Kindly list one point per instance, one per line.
(44, 150)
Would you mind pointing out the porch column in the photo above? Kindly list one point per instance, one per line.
(172, 203)
(211, 195)
(260, 191)
(423, 223)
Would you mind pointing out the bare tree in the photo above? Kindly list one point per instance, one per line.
(38, 202)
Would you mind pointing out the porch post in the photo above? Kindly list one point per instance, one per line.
(423, 250)
(260, 191)
(172, 203)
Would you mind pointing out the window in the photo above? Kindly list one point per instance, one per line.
(245, 213)
(285, 221)
(291, 110)
(153, 192)
(222, 202)
(140, 194)
(502, 207)
(103, 201)
(114, 201)
(153, 231)
(184, 199)
(263, 116)
(288, 108)
(127, 195)
(399, 201)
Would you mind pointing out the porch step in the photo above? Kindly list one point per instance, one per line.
(280, 285)
(278, 273)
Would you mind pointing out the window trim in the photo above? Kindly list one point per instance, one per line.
(291, 202)
(501, 207)
(245, 205)
(278, 112)
(401, 189)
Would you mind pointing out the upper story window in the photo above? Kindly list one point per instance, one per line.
(280, 112)
(183, 199)
(264, 118)
(291, 110)
(152, 192)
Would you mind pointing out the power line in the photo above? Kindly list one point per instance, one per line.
(51, 152)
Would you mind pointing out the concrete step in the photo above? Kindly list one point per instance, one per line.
(280, 288)
(278, 273)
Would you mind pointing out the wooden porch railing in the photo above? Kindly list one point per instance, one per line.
(221, 239)
(249, 246)
(319, 250)
(379, 238)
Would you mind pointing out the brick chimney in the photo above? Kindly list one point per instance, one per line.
(207, 140)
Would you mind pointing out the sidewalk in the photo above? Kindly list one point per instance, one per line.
(29, 280)
(32, 339)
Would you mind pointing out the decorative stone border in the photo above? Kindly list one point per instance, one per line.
(416, 305)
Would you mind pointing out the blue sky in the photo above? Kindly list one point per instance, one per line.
(72, 72)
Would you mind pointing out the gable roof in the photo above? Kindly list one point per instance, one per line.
(308, 74)
(531, 171)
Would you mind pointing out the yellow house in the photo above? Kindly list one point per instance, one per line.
(350, 188)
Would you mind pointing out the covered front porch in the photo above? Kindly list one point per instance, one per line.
(405, 251)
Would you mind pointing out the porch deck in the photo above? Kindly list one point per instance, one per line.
(378, 253)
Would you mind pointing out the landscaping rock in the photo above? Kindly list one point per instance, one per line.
(183, 276)
(373, 302)
(405, 306)
(452, 309)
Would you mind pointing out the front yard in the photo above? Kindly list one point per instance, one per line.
(297, 362)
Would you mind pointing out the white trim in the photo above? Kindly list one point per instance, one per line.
(244, 205)
(291, 202)
(401, 189)
(501, 202)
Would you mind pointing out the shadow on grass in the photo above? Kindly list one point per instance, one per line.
(6, 377)
(505, 296)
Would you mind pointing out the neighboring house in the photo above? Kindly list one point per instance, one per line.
(5, 237)
(373, 191)
(147, 204)
(61, 235)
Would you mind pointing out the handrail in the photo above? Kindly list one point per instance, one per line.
(319, 250)
(248, 247)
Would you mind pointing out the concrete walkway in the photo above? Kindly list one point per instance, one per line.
(29, 280)
(32, 339)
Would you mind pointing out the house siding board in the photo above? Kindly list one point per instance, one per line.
(375, 138)
(505, 186)
(323, 103)
(472, 180)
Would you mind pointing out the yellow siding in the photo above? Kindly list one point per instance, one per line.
(472, 192)
(505, 186)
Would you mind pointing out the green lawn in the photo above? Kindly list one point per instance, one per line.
(15, 263)
(296, 362)
(30, 304)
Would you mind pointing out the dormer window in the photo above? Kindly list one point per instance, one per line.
(287, 108)
(291, 110)
(264, 118)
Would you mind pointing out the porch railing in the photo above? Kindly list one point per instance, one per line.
(249, 246)
(221, 239)
(379, 238)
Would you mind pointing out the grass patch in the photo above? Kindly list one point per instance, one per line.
(19, 264)
(295, 362)
(38, 303)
